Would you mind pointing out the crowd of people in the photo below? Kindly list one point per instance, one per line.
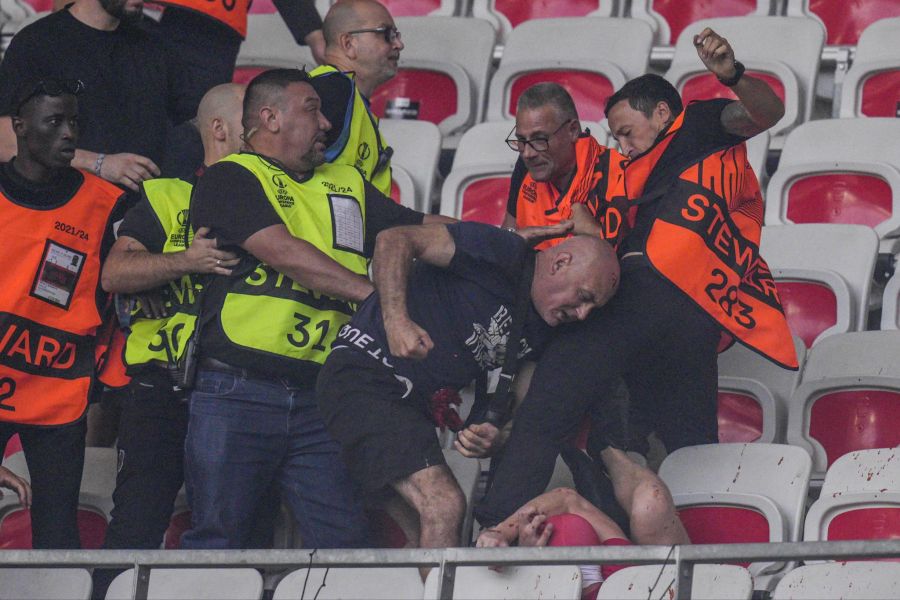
(261, 363)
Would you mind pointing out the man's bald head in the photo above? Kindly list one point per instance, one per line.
(347, 15)
(574, 277)
(219, 119)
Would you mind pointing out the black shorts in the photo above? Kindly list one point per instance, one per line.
(384, 436)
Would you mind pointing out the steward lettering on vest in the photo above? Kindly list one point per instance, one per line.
(266, 281)
(33, 348)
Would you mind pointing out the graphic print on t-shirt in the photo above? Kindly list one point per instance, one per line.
(488, 344)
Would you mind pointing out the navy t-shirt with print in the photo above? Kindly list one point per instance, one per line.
(466, 308)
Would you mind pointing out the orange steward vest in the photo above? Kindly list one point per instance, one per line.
(598, 183)
(48, 304)
(232, 13)
(705, 240)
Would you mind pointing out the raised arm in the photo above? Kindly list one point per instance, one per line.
(395, 250)
(131, 268)
(758, 107)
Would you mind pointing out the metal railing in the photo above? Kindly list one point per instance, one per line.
(447, 560)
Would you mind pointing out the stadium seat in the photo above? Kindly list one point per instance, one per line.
(710, 582)
(890, 306)
(420, 8)
(403, 189)
(840, 171)
(758, 154)
(98, 481)
(589, 56)
(417, 148)
(22, 583)
(512, 583)
(849, 581)
(443, 72)
(783, 51)
(754, 395)
(388, 583)
(467, 471)
(860, 498)
(743, 493)
(197, 584)
(13, 446)
(823, 273)
(670, 18)
(848, 398)
(844, 21)
(871, 88)
(269, 44)
(505, 15)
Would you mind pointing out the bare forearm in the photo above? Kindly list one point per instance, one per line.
(85, 159)
(132, 271)
(759, 104)
(314, 270)
(394, 254)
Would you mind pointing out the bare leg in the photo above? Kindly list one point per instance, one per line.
(405, 516)
(646, 499)
(436, 496)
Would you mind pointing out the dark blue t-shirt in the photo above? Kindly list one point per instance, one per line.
(466, 309)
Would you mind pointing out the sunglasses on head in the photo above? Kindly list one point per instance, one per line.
(52, 87)
(391, 34)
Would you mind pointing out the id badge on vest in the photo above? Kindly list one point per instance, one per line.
(347, 219)
(58, 274)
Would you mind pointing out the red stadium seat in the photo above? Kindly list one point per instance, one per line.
(506, 15)
(871, 87)
(484, 200)
(433, 93)
(857, 419)
(840, 198)
(705, 86)
(740, 418)
(724, 525)
(588, 90)
(12, 446)
(674, 16)
(15, 530)
(845, 21)
(810, 307)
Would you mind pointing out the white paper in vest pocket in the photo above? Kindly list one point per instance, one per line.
(349, 231)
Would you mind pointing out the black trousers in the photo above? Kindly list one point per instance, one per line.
(650, 334)
(151, 462)
(55, 457)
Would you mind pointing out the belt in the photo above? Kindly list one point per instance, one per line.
(212, 364)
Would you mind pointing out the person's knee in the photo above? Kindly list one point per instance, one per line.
(437, 497)
(651, 500)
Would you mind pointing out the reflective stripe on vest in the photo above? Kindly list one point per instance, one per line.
(598, 183)
(164, 339)
(705, 240)
(48, 304)
(267, 311)
(232, 13)
(360, 144)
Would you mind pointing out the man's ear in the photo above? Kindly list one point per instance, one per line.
(663, 111)
(269, 119)
(219, 129)
(19, 126)
(560, 261)
(347, 44)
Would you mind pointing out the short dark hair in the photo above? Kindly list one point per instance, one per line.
(645, 92)
(548, 93)
(265, 87)
(31, 88)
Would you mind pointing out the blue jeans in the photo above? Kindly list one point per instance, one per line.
(245, 433)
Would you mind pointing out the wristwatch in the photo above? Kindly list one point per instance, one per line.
(738, 73)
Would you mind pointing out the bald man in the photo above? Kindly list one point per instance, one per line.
(362, 48)
(157, 256)
(441, 315)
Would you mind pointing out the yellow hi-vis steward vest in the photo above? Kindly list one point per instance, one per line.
(164, 339)
(267, 313)
(360, 143)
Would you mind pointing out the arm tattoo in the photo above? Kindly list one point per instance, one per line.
(736, 120)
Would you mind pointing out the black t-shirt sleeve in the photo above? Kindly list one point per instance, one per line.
(703, 126)
(109, 235)
(383, 213)
(301, 17)
(335, 90)
(482, 249)
(515, 182)
(231, 201)
(142, 224)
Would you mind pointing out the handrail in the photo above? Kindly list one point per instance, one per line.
(447, 559)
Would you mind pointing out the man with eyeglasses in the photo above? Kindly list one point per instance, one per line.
(56, 229)
(362, 48)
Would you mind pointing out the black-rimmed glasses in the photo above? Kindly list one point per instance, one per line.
(538, 144)
(391, 34)
(52, 87)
